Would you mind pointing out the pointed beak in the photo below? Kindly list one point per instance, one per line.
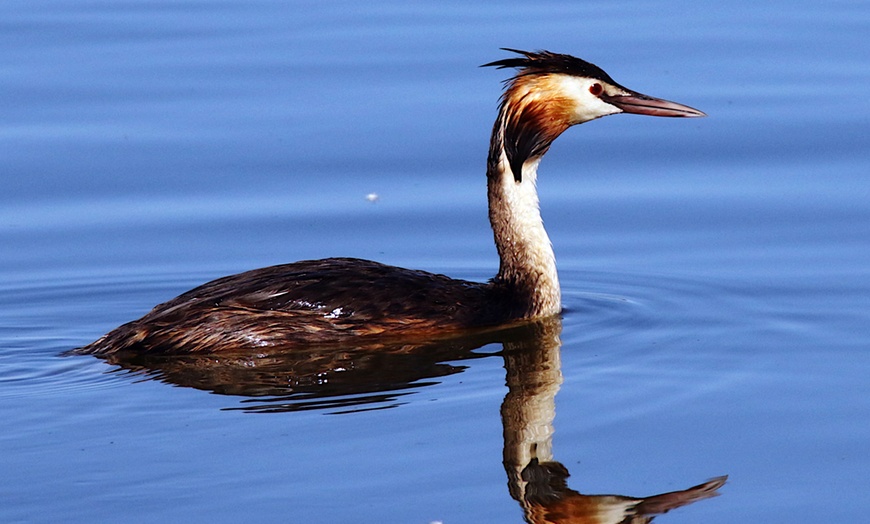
(646, 105)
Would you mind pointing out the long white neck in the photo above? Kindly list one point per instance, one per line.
(528, 264)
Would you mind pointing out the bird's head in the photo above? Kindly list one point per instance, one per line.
(552, 92)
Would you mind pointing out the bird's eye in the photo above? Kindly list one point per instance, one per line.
(596, 89)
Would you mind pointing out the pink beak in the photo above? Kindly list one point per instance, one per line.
(646, 105)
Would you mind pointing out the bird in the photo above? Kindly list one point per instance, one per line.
(349, 301)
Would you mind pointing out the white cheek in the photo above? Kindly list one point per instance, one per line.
(593, 107)
(586, 105)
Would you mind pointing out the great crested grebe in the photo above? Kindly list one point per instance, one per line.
(346, 300)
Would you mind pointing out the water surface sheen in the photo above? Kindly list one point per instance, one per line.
(715, 271)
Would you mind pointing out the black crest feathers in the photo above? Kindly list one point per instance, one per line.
(543, 62)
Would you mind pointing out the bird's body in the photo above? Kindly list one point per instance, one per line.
(329, 301)
(338, 300)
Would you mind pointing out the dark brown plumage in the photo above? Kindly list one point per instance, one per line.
(276, 307)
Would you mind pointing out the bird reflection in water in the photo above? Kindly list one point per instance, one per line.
(345, 379)
(535, 479)
(339, 379)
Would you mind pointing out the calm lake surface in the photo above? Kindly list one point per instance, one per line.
(716, 272)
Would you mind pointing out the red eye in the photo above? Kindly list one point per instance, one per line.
(596, 89)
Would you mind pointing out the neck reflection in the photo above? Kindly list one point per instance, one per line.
(535, 479)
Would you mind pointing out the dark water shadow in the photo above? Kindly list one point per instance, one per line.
(341, 380)
(334, 379)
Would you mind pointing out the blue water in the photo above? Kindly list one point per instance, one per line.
(716, 272)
